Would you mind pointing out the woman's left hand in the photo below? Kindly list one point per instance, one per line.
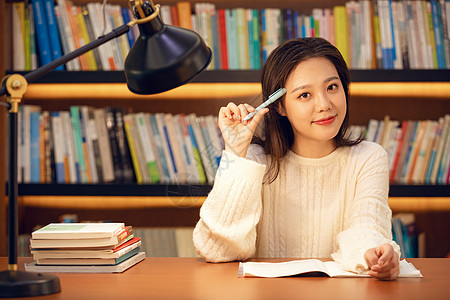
(383, 262)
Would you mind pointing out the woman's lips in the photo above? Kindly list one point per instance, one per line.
(325, 121)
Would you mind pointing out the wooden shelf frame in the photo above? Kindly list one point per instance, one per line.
(397, 204)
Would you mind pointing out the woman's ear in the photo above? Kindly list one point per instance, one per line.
(280, 109)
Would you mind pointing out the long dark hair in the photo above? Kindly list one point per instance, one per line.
(278, 135)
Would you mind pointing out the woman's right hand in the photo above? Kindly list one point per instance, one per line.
(236, 133)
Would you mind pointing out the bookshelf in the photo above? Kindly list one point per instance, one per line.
(403, 94)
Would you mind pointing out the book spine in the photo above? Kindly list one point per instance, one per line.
(92, 128)
(223, 38)
(184, 14)
(195, 154)
(42, 33)
(34, 148)
(58, 147)
(67, 34)
(128, 123)
(124, 153)
(165, 173)
(42, 145)
(73, 171)
(340, 19)
(104, 145)
(84, 38)
(87, 145)
(147, 147)
(27, 35)
(126, 19)
(32, 33)
(160, 122)
(91, 37)
(115, 154)
(75, 116)
(175, 149)
(255, 34)
(18, 38)
(186, 150)
(439, 40)
(55, 43)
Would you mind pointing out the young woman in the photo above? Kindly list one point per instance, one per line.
(304, 189)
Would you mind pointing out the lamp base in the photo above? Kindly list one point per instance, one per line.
(27, 284)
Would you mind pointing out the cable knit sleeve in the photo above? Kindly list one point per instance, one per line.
(226, 230)
(369, 220)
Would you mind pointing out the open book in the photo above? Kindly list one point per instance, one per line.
(297, 267)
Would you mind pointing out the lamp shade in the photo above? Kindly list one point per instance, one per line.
(164, 57)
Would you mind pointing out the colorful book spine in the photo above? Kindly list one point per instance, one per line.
(126, 19)
(340, 19)
(133, 150)
(18, 39)
(438, 34)
(55, 43)
(34, 148)
(165, 174)
(75, 116)
(59, 150)
(223, 38)
(42, 33)
(148, 151)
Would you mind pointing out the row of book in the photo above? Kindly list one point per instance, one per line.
(42, 32)
(381, 34)
(100, 145)
(85, 248)
(418, 151)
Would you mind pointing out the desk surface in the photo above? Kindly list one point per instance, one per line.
(192, 278)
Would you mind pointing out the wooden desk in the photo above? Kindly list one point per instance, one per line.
(191, 278)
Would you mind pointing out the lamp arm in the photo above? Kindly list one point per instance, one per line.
(41, 71)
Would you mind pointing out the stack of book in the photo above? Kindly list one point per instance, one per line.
(84, 248)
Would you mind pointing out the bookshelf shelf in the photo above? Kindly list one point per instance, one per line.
(113, 190)
(159, 190)
(397, 204)
(218, 76)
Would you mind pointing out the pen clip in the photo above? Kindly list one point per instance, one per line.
(271, 95)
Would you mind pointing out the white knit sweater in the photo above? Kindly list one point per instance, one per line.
(335, 206)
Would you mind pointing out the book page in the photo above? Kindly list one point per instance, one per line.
(406, 270)
(335, 270)
(290, 268)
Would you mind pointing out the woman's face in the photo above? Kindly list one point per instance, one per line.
(315, 105)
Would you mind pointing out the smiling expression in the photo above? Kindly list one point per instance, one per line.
(315, 105)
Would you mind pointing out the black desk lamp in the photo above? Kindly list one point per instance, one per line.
(162, 58)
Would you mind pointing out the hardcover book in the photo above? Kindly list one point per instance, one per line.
(87, 261)
(78, 230)
(103, 243)
(117, 252)
(119, 268)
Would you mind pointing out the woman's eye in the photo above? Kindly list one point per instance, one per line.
(332, 87)
(303, 95)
